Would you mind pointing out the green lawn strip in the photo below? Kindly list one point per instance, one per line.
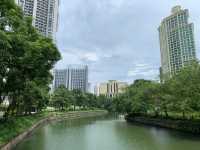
(16, 125)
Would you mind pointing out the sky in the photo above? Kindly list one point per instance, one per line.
(117, 39)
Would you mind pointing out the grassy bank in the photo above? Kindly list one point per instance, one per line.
(16, 125)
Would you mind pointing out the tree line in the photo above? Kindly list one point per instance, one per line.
(179, 96)
(64, 100)
(26, 58)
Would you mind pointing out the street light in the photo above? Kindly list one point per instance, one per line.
(4, 80)
(7, 70)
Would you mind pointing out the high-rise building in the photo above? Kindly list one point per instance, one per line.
(177, 45)
(73, 77)
(111, 89)
(44, 13)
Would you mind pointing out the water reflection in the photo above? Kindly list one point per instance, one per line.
(107, 133)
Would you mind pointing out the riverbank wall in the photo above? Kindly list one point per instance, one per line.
(189, 126)
(52, 117)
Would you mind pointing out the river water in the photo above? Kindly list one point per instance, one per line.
(106, 133)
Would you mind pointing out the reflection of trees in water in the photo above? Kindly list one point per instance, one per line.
(74, 123)
(107, 132)
(35, 141)
(138, 135)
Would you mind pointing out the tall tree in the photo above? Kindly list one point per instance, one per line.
(27, 55)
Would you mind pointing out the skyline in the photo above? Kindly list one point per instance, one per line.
(120, 55)
(108, 43)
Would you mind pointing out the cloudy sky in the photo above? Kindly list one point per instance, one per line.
(117, 39)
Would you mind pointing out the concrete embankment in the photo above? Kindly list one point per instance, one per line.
(53, 117)
(180, 125)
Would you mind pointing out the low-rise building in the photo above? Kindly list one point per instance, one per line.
(111, 88)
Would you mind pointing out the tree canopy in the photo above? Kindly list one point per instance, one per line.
(26, 58)
(178, 95)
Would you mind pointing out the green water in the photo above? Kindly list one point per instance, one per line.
(108, 133)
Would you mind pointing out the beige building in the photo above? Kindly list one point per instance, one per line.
(111, 89)
(177, 44)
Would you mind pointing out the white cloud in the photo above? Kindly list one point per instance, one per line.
(141, 65)
(90, 57)
(67, 58)
(146, 74)
(143, 70)
(117, 38)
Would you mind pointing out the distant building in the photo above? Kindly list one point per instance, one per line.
(177, 45)
(89, 88)
(44, 14)
(73, 77)
(96, 89)
(111, 89)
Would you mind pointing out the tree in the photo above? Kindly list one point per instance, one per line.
(122, 104)
(4, 55)
(178, 95)
(33, 99)
(139, 93)
(186, 88)
(27, 55)
(61, 98)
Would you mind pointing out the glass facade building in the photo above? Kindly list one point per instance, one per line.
(177, 45)
(73, 77)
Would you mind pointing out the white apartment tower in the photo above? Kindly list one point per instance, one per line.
(177, 45)
(44, 13)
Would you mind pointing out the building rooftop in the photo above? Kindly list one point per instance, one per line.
(176, 9)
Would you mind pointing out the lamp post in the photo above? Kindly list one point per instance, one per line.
(4, 80)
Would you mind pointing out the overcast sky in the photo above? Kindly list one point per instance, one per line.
(118, 39)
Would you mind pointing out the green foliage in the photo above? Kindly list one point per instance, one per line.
(186, 89)
(61, 98)
(15, 126)
(26, 58)
(33, 98)
(122, 104)
(178, 95)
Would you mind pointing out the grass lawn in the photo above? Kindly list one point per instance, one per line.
(17, 125)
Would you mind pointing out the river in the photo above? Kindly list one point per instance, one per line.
(106, 133)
